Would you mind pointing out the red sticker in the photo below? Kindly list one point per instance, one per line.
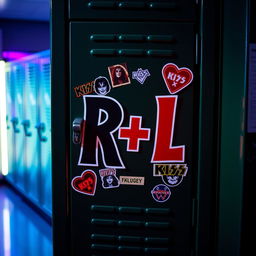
(176, 78)
(86, 183)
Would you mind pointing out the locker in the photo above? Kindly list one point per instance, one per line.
(44, 130)
(9, 109)
(31, 143)
(29, 128)
(124, 140)
(16, 119)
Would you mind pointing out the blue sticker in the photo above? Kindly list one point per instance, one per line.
(161, 193)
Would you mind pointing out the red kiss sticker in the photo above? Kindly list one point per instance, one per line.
(176, 78)
(86, 183)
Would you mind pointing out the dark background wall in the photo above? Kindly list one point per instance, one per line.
(27, 36)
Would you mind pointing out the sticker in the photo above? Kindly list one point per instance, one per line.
(172, 181)
(101, 85)
(172, 174)
(164, 150)
(86, 183)
(176, 78)
(129, 180)
(161, 193)
(134, 134)
(108, 178)
(103, 116)
(170, 170)
(84, 89)
(119, 75)
(140, 75)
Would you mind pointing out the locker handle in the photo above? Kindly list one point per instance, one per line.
(77, 130)
(15, 122)
(40, 129)
(26, 125)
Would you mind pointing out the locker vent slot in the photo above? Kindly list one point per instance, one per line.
(132, 38)
(133, 5)
(133, 52)
(125, 230)
(128, 209)
(129, 249)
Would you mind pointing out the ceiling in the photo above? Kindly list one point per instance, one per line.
(37, 10)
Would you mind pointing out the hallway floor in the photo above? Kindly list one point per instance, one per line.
(22, 231)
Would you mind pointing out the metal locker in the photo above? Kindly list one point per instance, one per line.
(90, 39)
(44, 131)
(31, 143)
(16, 119)
(9, 110)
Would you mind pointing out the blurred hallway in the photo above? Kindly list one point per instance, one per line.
(22, 231)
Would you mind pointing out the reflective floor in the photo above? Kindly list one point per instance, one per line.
(22, 231)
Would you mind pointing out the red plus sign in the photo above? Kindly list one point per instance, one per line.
(134, 133)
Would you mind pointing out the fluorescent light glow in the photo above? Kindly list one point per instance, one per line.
(14, 55)
(7, 228)
(2, 3)
(3, 125)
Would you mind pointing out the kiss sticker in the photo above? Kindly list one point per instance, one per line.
(140, 75)
(86, 183)
(101, 85)
(108, 178)
(84, 89)
(119, 75)
(176, 78)
(161, 193)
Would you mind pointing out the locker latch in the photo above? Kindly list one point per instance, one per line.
(40, 130)
(77, 130)
(15, 122)
(26, 125)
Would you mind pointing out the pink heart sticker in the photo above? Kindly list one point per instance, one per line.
(176, 78)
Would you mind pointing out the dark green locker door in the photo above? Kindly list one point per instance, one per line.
(128, 134)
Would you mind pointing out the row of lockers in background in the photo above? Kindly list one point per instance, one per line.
(28, 116)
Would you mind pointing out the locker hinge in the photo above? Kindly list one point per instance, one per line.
(194, 212)
(197, 49)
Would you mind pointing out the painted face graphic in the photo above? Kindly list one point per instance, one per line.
(101, 85)
(102, 88)
(173, 180)
(109, 180)
(118, 72)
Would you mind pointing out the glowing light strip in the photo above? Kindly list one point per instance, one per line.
(3, 125)
(6, 225)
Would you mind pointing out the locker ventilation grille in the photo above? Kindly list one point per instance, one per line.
(134, 5)
(121, 230)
